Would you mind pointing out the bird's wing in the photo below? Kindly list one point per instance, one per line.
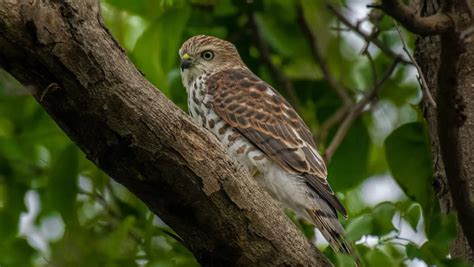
(267, 120)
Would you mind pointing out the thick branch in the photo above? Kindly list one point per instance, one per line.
(446, 63)
(455, 126)
(431, 25)
(130, 130)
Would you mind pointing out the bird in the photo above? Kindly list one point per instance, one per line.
(262, 131)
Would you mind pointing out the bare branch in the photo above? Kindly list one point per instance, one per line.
(424, 86)
(367, 37)
(327, 125)
(357, 110)
(319, 58)
(431, 25)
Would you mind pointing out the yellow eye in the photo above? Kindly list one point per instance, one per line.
(207, 55)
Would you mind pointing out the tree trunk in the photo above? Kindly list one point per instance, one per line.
(447, 62)
(84, 80)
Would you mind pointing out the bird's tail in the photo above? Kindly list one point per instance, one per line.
(326, 221)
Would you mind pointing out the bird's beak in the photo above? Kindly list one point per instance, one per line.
(185, 62)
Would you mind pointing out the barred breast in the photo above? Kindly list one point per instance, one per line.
(289, 189)
(237, 146)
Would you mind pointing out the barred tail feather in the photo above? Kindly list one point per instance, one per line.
(328, 224)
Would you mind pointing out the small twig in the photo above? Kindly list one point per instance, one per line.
(319, 58)
(372, 66)
(357, 110)
(115, 215)
(365, 51)
(174, 236)
(101, 200)
(422, 80)
(339, 29)
(276, 73)
(374, 5)
(327, 125)
(367, 37)
(51, 88)
(373, 34)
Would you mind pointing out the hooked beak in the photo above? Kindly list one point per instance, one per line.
(185, 62)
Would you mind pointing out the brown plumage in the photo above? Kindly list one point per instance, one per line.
(261, 130)
(270, 123)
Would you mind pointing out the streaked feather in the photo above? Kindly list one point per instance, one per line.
(265, 118)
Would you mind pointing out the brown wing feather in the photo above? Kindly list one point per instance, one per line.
(267, 120)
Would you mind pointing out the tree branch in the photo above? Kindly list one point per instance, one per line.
(367, 37)
(455, 117)
(446, 62)
(431, 25)
(138, 137)
(357, 110)
(423, 84)
(319, 58)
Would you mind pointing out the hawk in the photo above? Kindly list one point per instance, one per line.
(261, 130)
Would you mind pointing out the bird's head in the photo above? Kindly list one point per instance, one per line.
(202, 54)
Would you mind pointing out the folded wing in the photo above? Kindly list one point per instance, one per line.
(267, 120)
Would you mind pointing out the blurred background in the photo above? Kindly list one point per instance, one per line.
(58, 209)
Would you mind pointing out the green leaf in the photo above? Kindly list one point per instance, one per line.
(407, 150)
(62, 186)
(11, 206)
(348, 167)
(413, 214)
(377, 258)
(360, 226)
(399, 92)
(15, 252)
(345, 260)
(119, 244)
(156, 50)
(383, 215)
(288, 40)
(144, 8)
(413, 251)
(455, 263)
(442, 230)
(441, 233)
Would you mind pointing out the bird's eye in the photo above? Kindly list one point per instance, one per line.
(207, 55)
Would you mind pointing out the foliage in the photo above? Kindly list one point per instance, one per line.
(58, 209)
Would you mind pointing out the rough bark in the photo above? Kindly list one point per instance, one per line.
(447, 63)
(125, 126)
(435, 23)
